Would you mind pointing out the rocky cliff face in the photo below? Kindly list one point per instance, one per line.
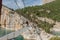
(47, 1)
(10, 19)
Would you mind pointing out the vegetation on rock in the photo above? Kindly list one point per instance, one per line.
(55, 38)
(50, 10)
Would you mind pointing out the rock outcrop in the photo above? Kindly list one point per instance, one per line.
(47, 1)
(10, 19)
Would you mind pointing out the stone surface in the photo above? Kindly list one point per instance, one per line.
(47, 1)
(10, 19)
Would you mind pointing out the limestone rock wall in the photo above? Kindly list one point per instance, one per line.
(47, 1)
(10, 19)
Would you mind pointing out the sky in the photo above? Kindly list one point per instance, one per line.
(12, 4)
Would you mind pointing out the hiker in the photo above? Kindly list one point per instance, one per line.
(27, 22)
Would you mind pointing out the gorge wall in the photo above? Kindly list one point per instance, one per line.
(47, 1)
(10, 19)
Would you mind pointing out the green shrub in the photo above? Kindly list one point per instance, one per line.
(55, 38)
